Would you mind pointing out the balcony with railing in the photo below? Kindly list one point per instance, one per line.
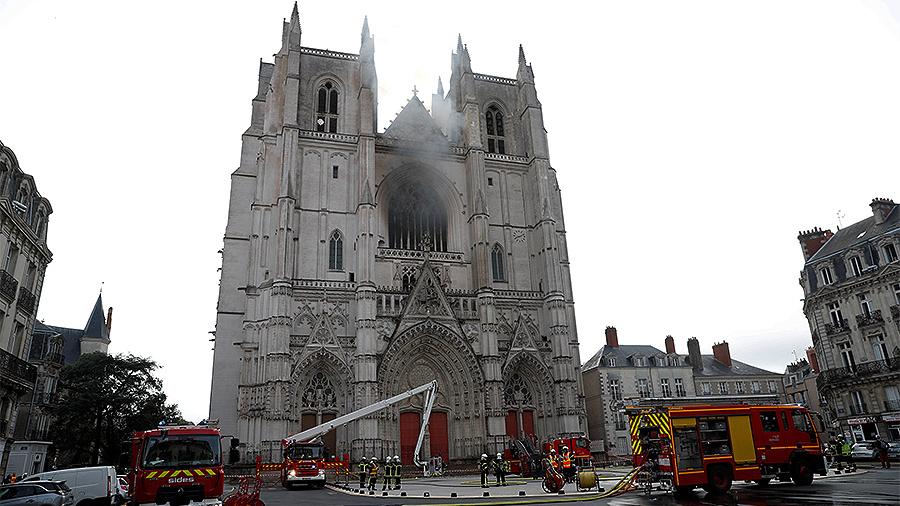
(8, 286)
(16, 370)
(864, 371)
(892, 405)
(27, 301)
(841, 327)
(873, 318)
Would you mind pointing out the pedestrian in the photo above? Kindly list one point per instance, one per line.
(397, 468)
(501, 467)
(363, 472)
(373, 473)
(484, 466)
(881, 446)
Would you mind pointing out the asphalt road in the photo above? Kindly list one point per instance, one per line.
(877, 486)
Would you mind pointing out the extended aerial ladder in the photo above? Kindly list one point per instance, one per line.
(428, 389)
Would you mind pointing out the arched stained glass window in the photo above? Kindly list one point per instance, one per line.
(495, 134)
(336, 251)
(497, 267)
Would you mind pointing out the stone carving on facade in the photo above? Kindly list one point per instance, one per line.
(470, 330)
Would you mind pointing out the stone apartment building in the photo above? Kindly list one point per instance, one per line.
(359, 263)
(24, 215)
(619, 375)
(52, 347)
(851, 286)
(800, 382)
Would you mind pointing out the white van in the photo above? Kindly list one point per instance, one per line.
(91, 486)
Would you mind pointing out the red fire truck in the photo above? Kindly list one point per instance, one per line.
(580, 447)
(178, 465)
(710, 446)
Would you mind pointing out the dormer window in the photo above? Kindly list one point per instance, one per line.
(827, 279)
(495, 135)
(856, 265)
(327, 108)
(611, 361)
(638, 361)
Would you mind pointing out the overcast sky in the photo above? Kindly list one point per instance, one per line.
(692, 141)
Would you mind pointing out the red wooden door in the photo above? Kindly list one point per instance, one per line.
(528, 422)
(409, 433)
(330, 438)
(512, 424)
(439, 436)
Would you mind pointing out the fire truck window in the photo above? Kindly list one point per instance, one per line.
(714, 436)
(687, 449)
(769, 421)
(306, 452)
(800, 421)
(174, 451)
(784, 422)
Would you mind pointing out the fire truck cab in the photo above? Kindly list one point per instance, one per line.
(580, 447)
(710, 446)
(178, 465)
(304, 463)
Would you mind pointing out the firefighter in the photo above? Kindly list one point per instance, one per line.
(553, 458)
(847, 454)
(397, 468)
(373, 473)
(484, 466)
(363, 472)
(501, 467)
(388, 473)
(567, 464)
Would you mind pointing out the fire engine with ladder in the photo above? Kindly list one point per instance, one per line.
(306, 458)
(710, 446)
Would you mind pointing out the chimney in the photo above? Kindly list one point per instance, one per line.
(670, 344)
(812, 240)
(694, 354)
(813, 360)
(612, 337)
(881, 209)
(722, 353)
(109, 320)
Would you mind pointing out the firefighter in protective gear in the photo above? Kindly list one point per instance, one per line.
(388, 473)
(363, 472)
(501, 467)
(553, 458)
(373, 473)
(567, 464)
(847, 455)
(397, 467)
(485, 467)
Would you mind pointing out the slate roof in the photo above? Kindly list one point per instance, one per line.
(621, 354)
(711, 366)
(71, 342)
(96, 325)
(849, 236)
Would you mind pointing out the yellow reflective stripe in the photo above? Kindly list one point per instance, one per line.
(211, 472)
(163, 474)
(187, 472)
(175, 473)
(151, 475)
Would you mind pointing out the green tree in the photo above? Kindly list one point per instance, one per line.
(103, 399)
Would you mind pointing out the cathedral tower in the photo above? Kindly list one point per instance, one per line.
(358, 263)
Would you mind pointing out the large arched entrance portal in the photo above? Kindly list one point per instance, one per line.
(429, 351)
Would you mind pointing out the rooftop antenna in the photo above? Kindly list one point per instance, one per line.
(101, 287)
(840, 216)
(796, 358)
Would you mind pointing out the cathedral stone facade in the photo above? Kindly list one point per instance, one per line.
(358, 264)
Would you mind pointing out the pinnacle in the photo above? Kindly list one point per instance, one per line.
(365, 28)
(440, 87)
(295, 15)
(459, 44)
(521, 55)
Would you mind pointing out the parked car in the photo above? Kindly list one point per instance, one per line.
(91, 486)
(863, 451)
(58, 486)
(28, 494)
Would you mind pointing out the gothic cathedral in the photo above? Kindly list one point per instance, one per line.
(358, 264)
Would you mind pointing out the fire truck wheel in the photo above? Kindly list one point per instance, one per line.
(683, 490)
(801, 473)
(719, 480)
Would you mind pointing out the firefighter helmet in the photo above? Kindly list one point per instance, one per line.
(499, 456)
(552, 451)
(565, 448)
(484, 455)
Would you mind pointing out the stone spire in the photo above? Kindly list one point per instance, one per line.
(365, 30)
(440, 89)
(524, 74)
